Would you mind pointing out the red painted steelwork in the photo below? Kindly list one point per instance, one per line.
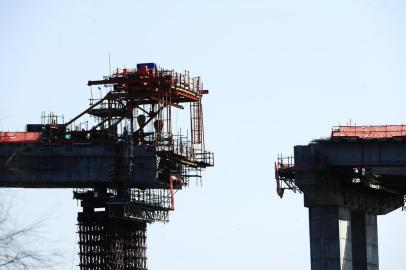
(150, 84)
(20, 137)
(279, 189)
(370, 132)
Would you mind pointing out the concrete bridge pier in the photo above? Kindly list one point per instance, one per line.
(342, 240)
(364, 229)
(347, 180)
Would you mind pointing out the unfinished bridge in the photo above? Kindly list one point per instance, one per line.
(348, 179)
(121, 155)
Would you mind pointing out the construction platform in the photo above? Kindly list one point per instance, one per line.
(122, 157)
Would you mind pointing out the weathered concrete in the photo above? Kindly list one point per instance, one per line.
(343, 240)
(364, 241)
(330, 238)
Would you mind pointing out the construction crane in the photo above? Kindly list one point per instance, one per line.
(121, 156)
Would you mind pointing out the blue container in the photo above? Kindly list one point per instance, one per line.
(149, 65)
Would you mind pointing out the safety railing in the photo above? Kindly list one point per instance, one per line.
(285, 175)
(206, 158)
(180, 79)
(369, 132)
(156, 198)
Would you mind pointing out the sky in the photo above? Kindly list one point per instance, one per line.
(280, 73)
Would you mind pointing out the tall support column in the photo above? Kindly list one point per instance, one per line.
(112, 245)
(364, 241)
(108, 240)
(330, 238)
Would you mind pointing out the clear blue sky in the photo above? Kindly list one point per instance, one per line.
(280, 73)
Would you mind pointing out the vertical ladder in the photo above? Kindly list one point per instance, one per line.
(196, 122)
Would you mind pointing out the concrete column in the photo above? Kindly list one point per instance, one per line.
(330, 238)
(364, 241)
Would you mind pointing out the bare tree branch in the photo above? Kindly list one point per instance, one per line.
(20, 247)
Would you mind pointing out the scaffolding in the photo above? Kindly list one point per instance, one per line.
(136, 111)
(285, 175)
(107, 244)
